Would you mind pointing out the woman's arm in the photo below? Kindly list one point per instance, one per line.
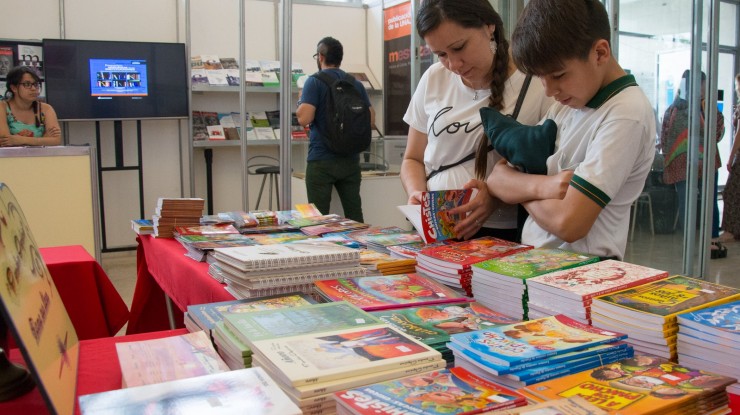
(413, 173)
(52, 135)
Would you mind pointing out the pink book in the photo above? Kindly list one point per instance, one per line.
(387, 291)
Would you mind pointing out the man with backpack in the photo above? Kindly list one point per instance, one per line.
(338, 110)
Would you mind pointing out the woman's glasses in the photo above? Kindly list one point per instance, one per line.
(31, 85)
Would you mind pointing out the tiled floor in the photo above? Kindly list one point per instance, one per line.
(659, 251)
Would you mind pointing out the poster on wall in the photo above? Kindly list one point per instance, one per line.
(397, 73)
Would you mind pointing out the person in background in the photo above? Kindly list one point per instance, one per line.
(325, 169)
(731, 194)
(26, 121)
(474, 70)
(6, 62)
(605, 132)
(674, 144)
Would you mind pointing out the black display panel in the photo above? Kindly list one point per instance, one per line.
(108, 80)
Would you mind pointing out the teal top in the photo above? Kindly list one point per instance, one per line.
(20, 128)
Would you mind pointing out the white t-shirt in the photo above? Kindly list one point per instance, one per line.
(612, 149)
(447, 111)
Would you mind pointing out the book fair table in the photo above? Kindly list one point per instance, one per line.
(164, 274)
(98, 371)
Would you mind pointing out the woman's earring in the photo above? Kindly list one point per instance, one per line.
(494, 46)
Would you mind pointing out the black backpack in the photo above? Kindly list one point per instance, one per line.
(347, 116)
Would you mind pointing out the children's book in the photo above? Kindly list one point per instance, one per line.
(448, 391)
(218, 229)
(339, 226)
(462, 255)
(279, 256)
(719, 321)
(168, 358)
(574, 405)
(282, 322)
(532, 263)
(433, 324)
(659, 302)
(207, 315)
(431, 219)
(512, 344)
(210, 242)
(211, 62)
(313, 358)
(387, 291)
(142, 226)
(591, 280)
(246, 391)
(638, 385)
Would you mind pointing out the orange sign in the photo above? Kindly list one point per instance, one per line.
(397, 21)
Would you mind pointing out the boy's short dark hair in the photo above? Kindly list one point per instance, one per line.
(549, 32)
(332, 50)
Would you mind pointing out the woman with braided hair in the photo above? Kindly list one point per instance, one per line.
(474, 70)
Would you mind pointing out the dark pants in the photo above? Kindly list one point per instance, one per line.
(681, 191)
(342, 173)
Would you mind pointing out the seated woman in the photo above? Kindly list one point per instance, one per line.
(24, 120)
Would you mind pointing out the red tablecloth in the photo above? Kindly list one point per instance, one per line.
(98, 371)
(92, 302)
(162, 267)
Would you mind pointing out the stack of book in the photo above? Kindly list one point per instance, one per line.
(146, 362)
(648, 312)
(501, 284)
(572, 405)
(524, 353)
(171, 212)
(389, 291)
(337, 226)
(452, 264)
(710, 339)
(571, 291)
(199, 240)
(378, 263)
(433, 324)
(260, 270)
(313, 351)
(644, 385)
(448, 391)
(246, 391)
(142, 226)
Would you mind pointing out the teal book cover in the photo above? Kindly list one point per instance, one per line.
(534, 262)
(284, 322)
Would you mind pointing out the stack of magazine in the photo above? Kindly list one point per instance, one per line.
(571, 291)
(501, 283)
(648, 312)
(316, 350)
(260, 270)
(524, 353)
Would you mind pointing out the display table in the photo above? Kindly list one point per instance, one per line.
(92, 302)
(98, 371)
(163, 269)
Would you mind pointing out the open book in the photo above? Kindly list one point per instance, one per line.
(431, 219)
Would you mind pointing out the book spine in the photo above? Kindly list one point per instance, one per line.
(277, 263)
(299, 279)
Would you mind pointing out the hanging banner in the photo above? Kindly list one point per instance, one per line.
(397, 73)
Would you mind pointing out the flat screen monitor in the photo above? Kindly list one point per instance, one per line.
(110, 80)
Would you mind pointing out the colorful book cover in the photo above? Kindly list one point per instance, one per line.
(433, 324)
(317, 357)
(315, 220)
(591, 280)
(207, 315)
(245, 391)
(168, 358)
(449, 391)
(209, 242)
(660, 301)
(387, 291)
(575, 405)
(535, 339)
(391, 239)
(360, 235)
(278, 237)
(722, 320)
(437, 224)
(465, 254)
(343, 225)
(535, 262)
(282, 322)
(636, 385)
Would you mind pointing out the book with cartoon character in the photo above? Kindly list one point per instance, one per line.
(533, 340)
(449, 391)
(640, 385)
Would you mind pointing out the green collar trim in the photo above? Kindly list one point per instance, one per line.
(610, 90)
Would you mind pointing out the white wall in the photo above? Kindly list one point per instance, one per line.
(214, 30)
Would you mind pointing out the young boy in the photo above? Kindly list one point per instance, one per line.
(606, 132)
